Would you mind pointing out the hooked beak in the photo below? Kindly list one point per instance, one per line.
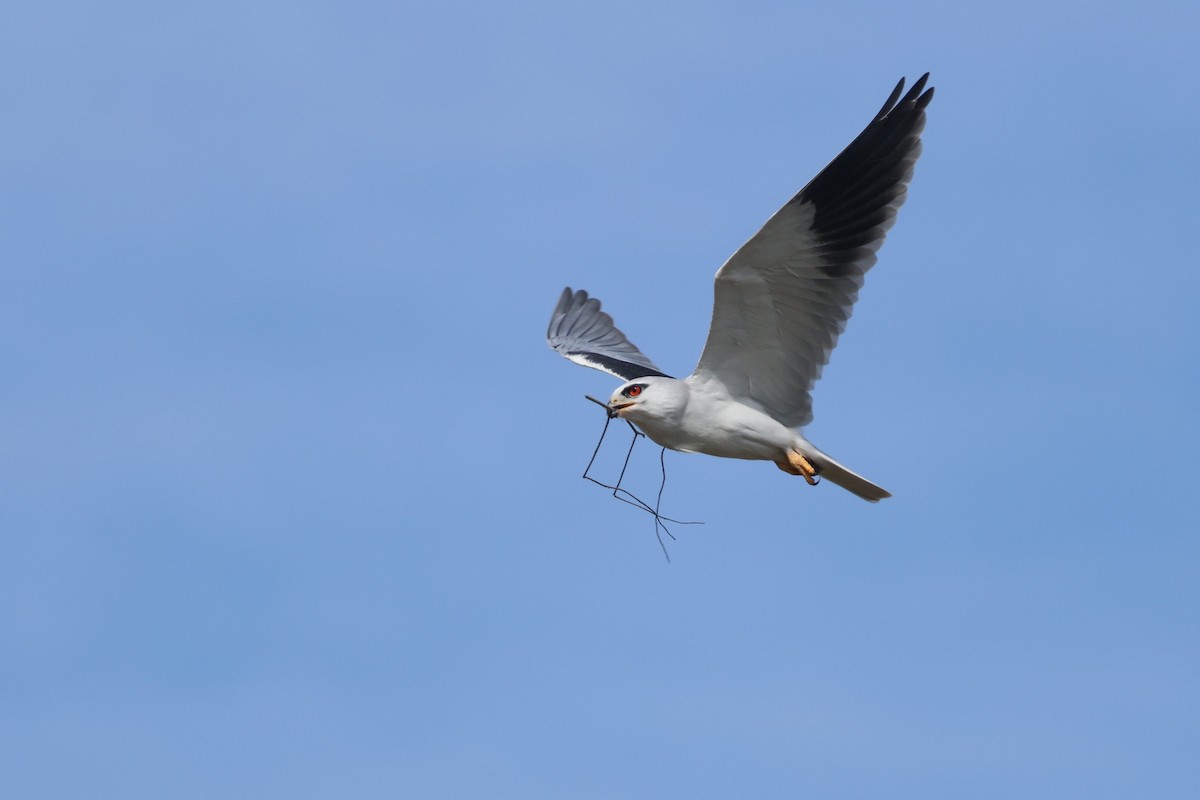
(615, 409)
(612, 409)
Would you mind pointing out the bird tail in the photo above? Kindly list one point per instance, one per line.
(835, 473)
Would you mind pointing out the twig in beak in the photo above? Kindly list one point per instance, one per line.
(611, 414)
(623, 494)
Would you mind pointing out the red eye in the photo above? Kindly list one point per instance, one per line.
(633, 391)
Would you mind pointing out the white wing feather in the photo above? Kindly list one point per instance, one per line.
(783, 298)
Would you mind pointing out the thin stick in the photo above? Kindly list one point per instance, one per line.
(626, 496)
(605, 406)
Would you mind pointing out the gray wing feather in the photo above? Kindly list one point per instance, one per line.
(586, 335)
(783, 298)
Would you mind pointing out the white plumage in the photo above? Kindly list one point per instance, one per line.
(780, 303)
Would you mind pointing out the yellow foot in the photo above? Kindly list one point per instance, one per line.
(800, 466)
(788, 468)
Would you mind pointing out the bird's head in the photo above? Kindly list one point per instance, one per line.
(646, 397)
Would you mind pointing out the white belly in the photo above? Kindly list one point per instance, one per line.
(723, 428)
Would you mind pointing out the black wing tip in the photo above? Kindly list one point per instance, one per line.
(890, 103)
(917, 97)
(857, 194)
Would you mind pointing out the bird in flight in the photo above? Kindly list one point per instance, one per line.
(781, 301)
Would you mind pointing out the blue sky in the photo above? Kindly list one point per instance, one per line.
(291, 502)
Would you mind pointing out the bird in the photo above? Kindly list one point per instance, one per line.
(780, 303)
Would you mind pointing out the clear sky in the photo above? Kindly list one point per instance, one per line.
(291, 501)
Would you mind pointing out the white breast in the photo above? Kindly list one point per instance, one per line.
(713, 423)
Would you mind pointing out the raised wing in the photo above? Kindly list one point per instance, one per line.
(586, 335)
(784, 297)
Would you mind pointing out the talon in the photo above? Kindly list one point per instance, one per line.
(802, 466)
